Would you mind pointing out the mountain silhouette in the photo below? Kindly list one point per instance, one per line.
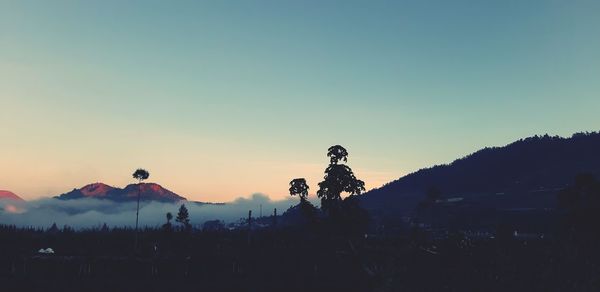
(149, 192)
(524, 174)
(9, 196)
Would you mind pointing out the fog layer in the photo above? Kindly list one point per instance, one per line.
(89, 212)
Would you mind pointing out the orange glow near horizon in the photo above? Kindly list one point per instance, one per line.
(45, 181)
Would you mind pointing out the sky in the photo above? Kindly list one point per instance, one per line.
(223, 99)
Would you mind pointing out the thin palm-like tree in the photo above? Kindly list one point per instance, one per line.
(140, 174)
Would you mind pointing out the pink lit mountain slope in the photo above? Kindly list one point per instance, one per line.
(149, 192)
(9, 196)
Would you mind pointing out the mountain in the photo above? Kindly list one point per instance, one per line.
(9, 196)
(149, 192)
(95, 190)
(525, 174)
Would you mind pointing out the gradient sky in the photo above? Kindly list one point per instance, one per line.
(220, 99)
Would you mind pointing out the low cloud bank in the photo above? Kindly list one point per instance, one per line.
(89, 212)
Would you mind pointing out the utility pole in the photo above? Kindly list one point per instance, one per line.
(249, 225)
(249, 219)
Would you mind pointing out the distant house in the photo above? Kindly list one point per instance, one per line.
(46, 251)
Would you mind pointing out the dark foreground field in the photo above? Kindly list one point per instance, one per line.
(294, 260)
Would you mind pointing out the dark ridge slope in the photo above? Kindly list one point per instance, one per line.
(535, 163)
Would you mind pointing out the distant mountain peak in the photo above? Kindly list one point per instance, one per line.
(151, 191)
(9, 196)
(147, 192)
(96, 189)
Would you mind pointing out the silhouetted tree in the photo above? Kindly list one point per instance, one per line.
(299, 187)
(337, 153)
(353, 217)
(338, 178)
(167, 226)
(183, 217)
(141, 175)
(53, 228)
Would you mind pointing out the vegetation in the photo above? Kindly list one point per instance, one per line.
(299, 187)
(308, 212)
(338, 178)
(168, 226)
(337, 248)
(141, 175)
(183, 217)
(532, 164)
(297, 259)
(580, 206)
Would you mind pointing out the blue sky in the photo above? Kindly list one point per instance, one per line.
(220, 99)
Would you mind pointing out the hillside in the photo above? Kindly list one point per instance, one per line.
(524, 174)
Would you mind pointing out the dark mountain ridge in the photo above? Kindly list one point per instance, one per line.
(149, 192)
(508, 175)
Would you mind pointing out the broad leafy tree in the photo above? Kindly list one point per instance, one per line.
(338, 179)
(298, 187)
(337, 153)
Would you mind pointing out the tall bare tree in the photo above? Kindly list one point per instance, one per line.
(140, 174)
